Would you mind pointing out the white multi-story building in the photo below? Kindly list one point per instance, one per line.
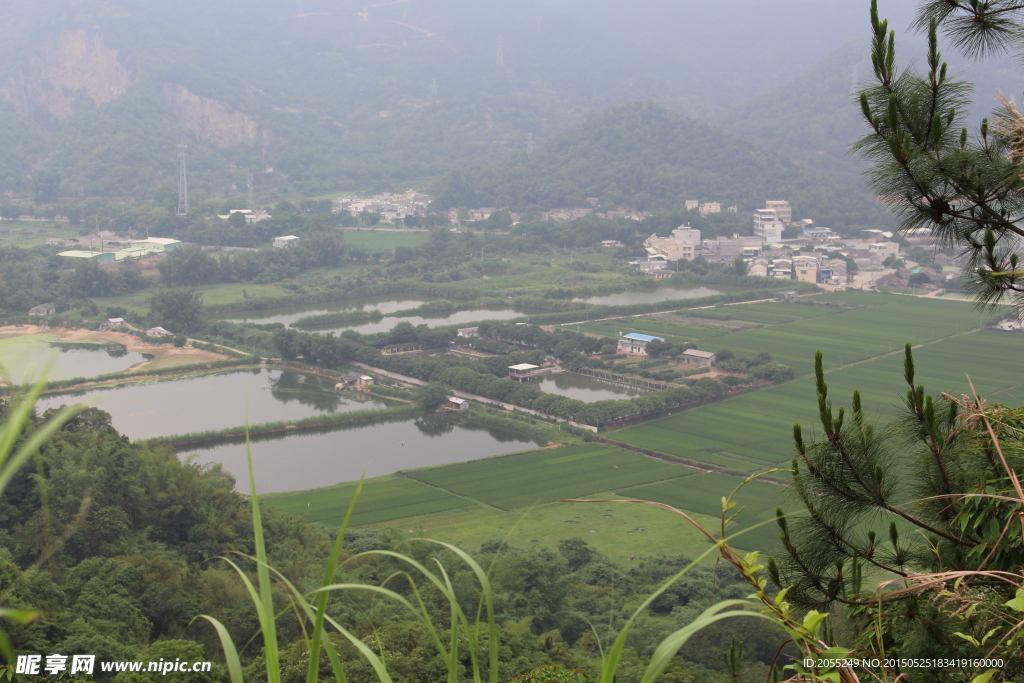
(767, 226)
(680, 246)
(783, 211)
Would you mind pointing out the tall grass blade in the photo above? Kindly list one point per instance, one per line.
(265, 601)
(230, 653)
(668, 647)
(313, 670)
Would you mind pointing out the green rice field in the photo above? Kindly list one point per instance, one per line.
(379, 501)
(754, 430)
(525, 479)
(703, 494)
(384, 240)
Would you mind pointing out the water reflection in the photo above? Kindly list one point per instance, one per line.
(311, 460)
(583, 388)
(27, 355)
(289, 314)
(144, 411)
(655, 295)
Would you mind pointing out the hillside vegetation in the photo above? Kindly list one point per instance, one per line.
(648, 157)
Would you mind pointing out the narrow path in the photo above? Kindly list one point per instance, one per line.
(471, 397)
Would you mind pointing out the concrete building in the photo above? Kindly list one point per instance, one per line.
(523, 372)
(758, 267)
(817, 233)
(767, 226)
(101, 257)
(885, 249)
(695, 357)
(680, 246)
(728, 248)
(806, 269)
(635, 344)
(45, 310)
(787, 295)
(468, 332)
(157, 244)
(286, 241)
(158, 332)
(710, 207)
(782, 210)
(782, 268)
(456, 403)
(692, 204)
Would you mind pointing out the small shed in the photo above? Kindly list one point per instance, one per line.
(286, 241)
(158, 332)
(115, 322)
(522, 372)
(365, 381)
(786, 296)
(695, 357)
(42, 309)
(469, 332)
(456, 403)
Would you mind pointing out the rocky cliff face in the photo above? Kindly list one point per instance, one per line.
(74, 63)
(213, 121)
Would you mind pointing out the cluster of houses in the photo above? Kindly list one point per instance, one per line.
(107, 247)
(392, 207)
(816, 254)
(635, 344)
(250, 215)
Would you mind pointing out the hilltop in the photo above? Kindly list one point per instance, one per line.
(328, 95)
(647, 157)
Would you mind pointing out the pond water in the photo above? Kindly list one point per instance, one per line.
(583, 388)
(143, 411)
(384, 304)
(312, 460)
(25, 356)
(659, 294)
(288, 315)
(456, 318)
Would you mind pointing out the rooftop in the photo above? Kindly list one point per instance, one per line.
(523, 366)
(641, 337)
(698, 354)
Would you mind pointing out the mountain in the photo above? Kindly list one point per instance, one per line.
(328, 94)
(645, 156)
(814, 118)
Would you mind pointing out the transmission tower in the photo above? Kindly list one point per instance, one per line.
(529, 143)
(248, 182)
(182, 182)
(501, 55)
(433, 87)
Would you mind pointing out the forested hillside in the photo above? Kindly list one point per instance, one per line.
(327, 94)
(648, 157)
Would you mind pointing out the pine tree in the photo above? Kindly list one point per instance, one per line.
(934, 173)
(902, 500)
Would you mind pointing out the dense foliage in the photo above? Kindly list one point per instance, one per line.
(647, 157)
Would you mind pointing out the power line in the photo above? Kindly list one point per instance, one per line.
(182, 181)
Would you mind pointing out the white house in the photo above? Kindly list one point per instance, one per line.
(286, 241)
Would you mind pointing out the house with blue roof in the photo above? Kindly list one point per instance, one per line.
(635, 343)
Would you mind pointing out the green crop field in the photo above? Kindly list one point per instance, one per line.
(622, 532)
(754, 430)
(673, 332)
(525, 479)
(703, 494)
(379, 501)
(384, 240)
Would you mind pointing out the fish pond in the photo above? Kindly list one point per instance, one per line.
(24, 357)
(583, 388)
(312, 460)
(223, 400)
